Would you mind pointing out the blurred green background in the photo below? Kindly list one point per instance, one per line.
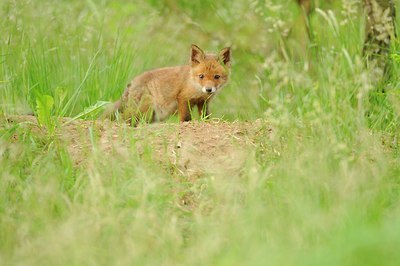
(80, 52)
(322, 189)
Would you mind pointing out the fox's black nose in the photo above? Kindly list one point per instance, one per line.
(208, 89)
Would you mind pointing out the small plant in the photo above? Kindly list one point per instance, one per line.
(204, 116)
(44, 108)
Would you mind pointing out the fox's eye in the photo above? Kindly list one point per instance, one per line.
(201, 76)
(217, 76)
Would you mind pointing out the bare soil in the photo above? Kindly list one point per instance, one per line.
(193, 147)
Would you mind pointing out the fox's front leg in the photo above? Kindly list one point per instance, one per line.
(184, 111)
(204, 111)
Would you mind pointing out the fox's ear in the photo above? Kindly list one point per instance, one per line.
(224, 56)
(196, 54)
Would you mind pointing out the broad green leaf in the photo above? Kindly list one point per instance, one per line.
(44, 105)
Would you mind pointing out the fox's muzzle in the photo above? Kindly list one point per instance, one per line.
(209, 89)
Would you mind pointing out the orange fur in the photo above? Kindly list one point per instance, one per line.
(159, 93)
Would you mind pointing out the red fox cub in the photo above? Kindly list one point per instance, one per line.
(159, 93)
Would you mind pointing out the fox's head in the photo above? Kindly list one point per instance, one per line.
(210, 72)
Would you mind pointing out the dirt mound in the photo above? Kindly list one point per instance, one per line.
(192, 147)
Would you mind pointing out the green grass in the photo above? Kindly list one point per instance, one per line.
(323, 190)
